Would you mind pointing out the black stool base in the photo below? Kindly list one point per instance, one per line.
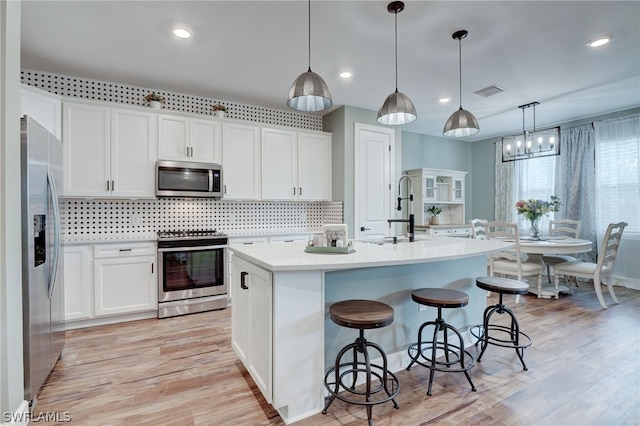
(456, 358)
(510, 336)
(369, 394)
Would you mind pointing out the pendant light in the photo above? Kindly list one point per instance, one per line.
(461, 122)
(397, 108)
(309, 92)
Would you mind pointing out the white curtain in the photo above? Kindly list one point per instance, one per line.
(618, 190)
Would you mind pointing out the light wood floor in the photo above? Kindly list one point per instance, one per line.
(584, 369)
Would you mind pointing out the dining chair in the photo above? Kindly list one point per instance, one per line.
(478, 228)
(510, 262)
(561, 227)
(601, 271)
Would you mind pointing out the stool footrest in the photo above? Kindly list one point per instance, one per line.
(523, 340)
(358, 394)
(450, 364)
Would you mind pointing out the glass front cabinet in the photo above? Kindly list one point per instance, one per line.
(443, 189)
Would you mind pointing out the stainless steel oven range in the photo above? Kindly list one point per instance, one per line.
(191, 272)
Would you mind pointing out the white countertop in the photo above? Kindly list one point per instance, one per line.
(292, 257)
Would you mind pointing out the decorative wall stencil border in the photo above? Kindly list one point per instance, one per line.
(83, 219)
(97, 90)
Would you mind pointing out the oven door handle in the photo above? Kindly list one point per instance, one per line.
(243, 276)
(192, 248)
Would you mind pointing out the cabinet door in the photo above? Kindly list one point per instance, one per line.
(429, 188)
(458, 189)
(133, 153)
(279, 165)
(124, 285)
(252, 322)
(173, 138)
(206, 140)
(78, 287)
(314, 167)
(241, 161)
(86, 136)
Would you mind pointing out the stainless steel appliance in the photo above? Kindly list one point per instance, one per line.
(42, 272)
(188, 179)
(192, 273)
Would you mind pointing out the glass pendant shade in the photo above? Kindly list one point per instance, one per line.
(309, 92)
(397, 109)
(461, 123)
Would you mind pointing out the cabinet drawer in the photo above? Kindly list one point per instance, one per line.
(124, 250)
(461, 231)
(441, 231)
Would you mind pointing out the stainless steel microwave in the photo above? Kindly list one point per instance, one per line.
(188, 179)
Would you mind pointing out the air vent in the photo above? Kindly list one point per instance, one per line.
(489, 91)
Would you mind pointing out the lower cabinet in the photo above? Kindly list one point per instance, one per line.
(107, 280)
(125, 278)
(252, 320)
(446, 230)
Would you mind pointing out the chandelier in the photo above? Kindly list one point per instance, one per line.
(531, 144)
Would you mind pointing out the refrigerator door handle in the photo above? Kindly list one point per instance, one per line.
(51, 184)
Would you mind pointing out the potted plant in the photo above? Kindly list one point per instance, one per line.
(219, 110)
(435, 211)
(154, 101)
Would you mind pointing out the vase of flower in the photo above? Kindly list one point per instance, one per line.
(154, 101)
(533, 210)
(534, 228)
(219, 110)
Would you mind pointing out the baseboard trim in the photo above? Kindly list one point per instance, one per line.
(19, 418)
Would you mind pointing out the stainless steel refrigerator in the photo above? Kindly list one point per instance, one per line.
(42, 266)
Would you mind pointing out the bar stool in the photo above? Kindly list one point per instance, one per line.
(457, 359)
(514, 338)
(362, 315)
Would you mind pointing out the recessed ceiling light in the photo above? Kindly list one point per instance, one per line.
(600, 40)
(182, 33)
(444, 100)
(345, 74)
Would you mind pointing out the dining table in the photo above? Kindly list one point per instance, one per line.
(534, 249)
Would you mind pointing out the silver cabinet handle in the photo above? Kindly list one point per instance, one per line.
(113, 185)
(107, 185)
(300, 191)
(187, 148)
(191, 151)
(294, 190)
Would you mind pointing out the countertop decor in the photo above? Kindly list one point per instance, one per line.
(533, 210)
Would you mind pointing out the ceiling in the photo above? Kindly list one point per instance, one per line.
(251, 51)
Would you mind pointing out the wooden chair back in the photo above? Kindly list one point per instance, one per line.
(478, 228)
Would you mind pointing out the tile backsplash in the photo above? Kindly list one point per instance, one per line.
(90, 219)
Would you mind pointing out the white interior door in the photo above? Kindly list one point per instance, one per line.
(374, 149)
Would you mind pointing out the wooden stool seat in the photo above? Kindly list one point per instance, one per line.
(440, 297)
(502, 285)
(361, 314)
(341, 381)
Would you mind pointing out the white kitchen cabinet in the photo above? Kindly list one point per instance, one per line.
(252, 320)
(445, 230)
(442, 188)
(295, 165)
(241, 161)
(189, 139)
(124, 278)
(42, 106)
(279, 149)
(108, 152)
(314, 166)
(78, 279)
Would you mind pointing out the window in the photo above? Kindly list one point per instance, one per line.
(534, 178)
(617, 176)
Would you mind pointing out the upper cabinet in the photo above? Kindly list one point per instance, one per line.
(189, 139)
(42, 106)
(241, 161)
(108, 152)
(442, 188)
(295, 165)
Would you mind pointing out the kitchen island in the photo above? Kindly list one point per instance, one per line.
(280, 296)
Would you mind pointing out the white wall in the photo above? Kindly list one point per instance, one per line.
(11, 366)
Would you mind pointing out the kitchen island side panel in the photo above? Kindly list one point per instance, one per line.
(393, 285)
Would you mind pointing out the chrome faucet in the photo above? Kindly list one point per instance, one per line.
(411, 220)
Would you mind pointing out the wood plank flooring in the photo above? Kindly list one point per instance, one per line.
(584, 369)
